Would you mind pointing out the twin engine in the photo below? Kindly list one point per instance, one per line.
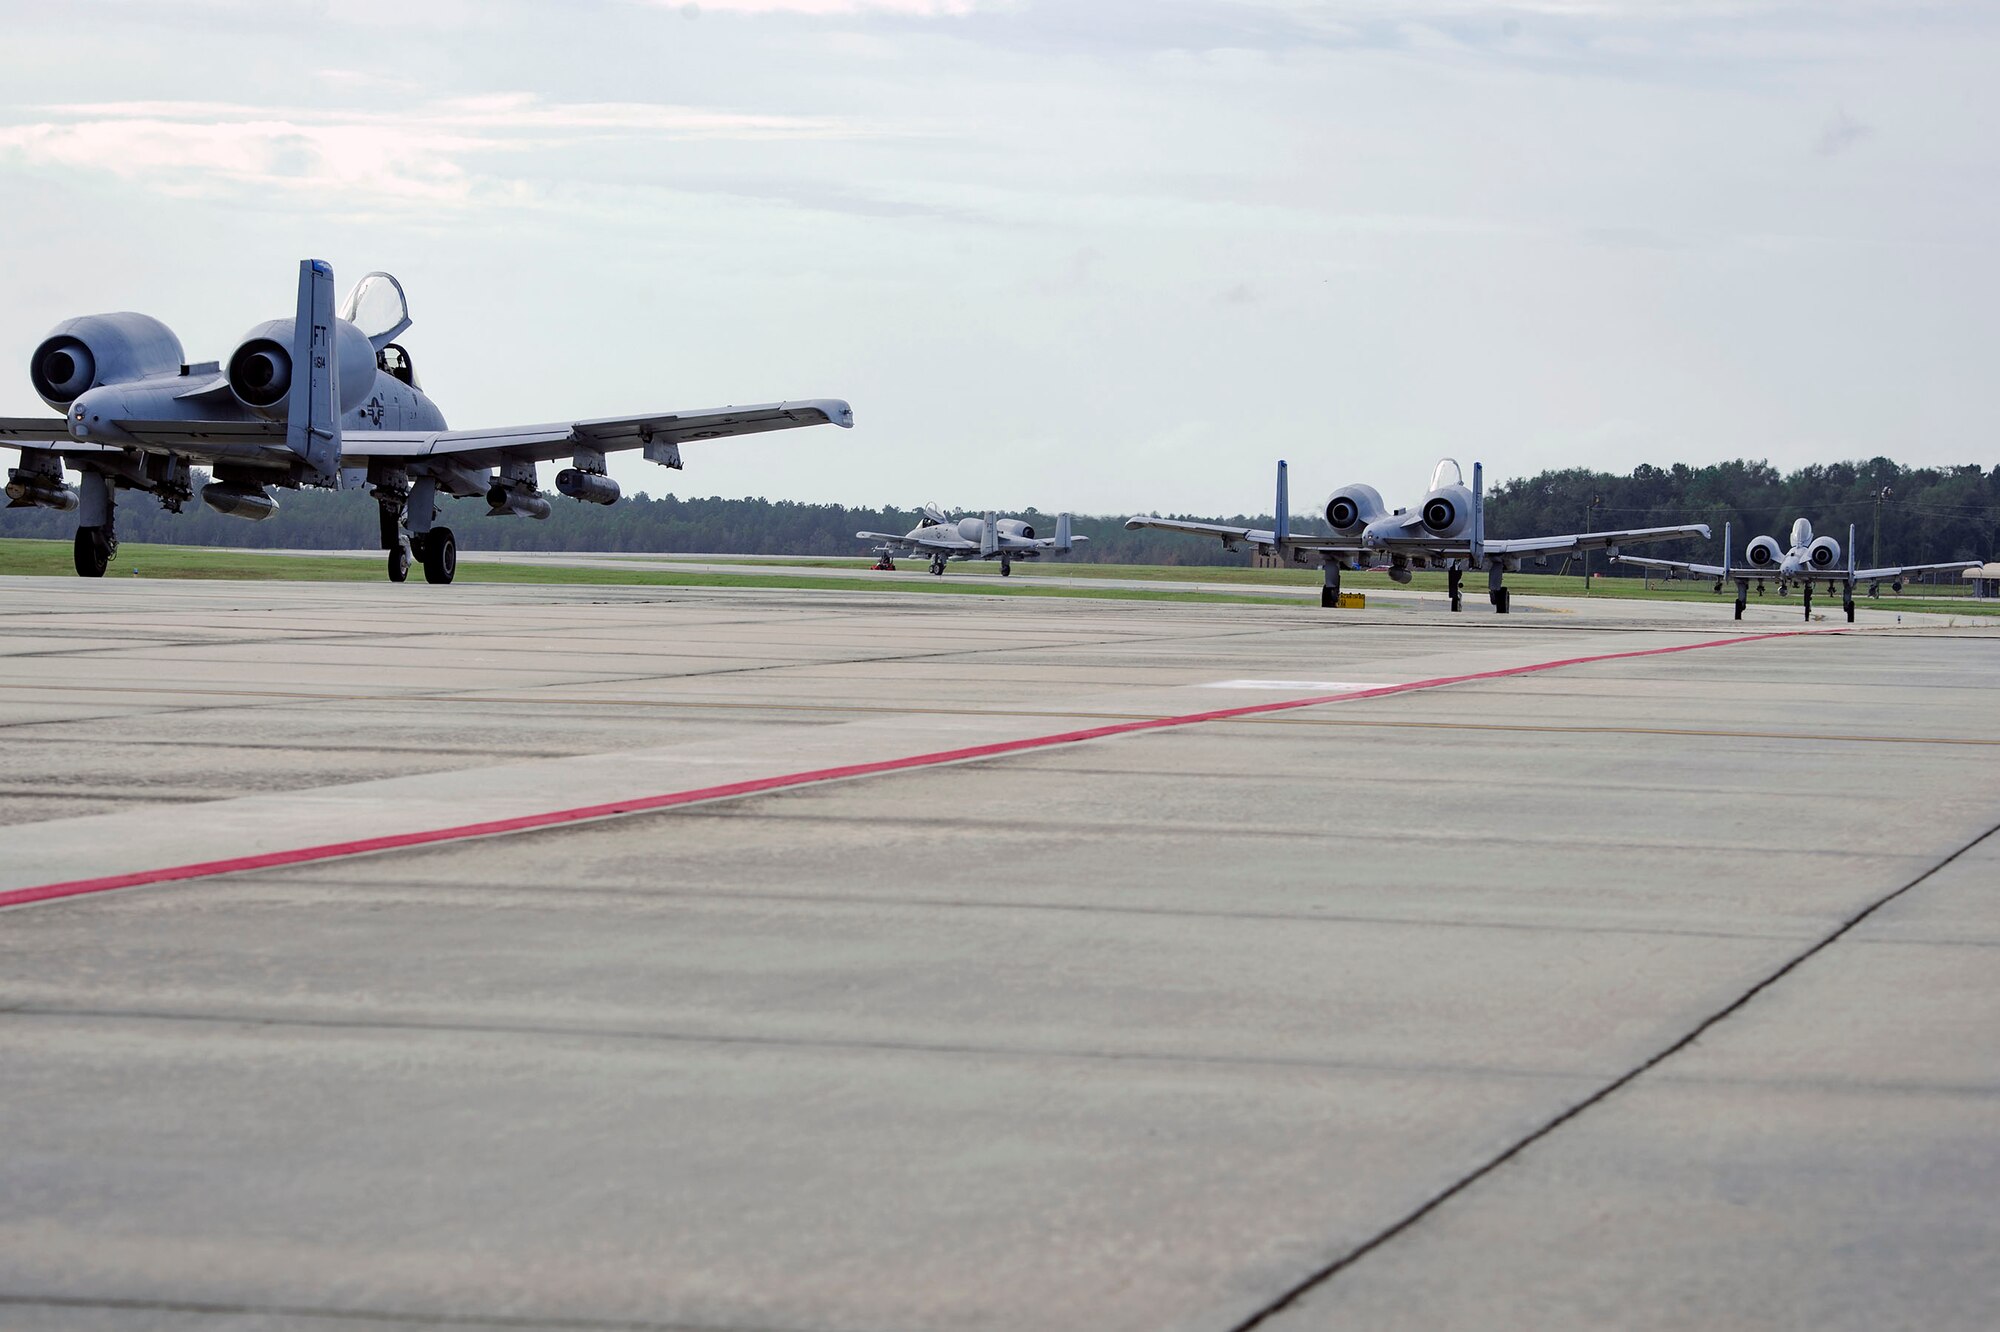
(1352, 508)
(101, 349)
(1763, 553)
(1824, 553)
(261, 371)
(1447, 511)
(974, 529)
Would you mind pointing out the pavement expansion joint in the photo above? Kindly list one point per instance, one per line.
(1291, 1297)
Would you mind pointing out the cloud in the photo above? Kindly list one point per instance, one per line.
(441, 152)
(826, 8)
(1840, 133)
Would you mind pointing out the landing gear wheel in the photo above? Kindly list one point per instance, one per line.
(400, 560)
(1006, 568)
(440, 556)
(1328, 598)
(93, 552)
(1503, 600)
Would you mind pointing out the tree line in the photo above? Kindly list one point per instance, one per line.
(1923, 514)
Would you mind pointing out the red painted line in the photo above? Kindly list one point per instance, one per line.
(639, 804)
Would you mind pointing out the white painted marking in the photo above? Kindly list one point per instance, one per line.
(1297, 686)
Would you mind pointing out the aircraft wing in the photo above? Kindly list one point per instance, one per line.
(33, 430)
(1876, 575)
(472, 448)
(1696, 570)
(546, 443)
(1562, 545)
(1233, 537)
(916, 543)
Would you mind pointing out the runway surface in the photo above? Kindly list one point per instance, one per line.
(1034, 963)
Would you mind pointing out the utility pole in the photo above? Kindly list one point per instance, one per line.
(1590, 511)
(1875, 558)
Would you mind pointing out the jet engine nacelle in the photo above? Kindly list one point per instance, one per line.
(82, 353)
(1824, 553)
(592, 487)
(260, 369)
(239, 500)
(1447, 511)
(1763, 553)
(972, 529)
(1014, 527)
(1352, 508)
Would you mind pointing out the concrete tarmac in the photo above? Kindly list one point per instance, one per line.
(1657, 991)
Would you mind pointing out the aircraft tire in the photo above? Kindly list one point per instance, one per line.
(92, 552)
(1328, 598)
(1006, 569)
(1503, 600)
(400, 560)
(440, 556)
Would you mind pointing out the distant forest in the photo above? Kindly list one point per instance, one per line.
(1928, 514)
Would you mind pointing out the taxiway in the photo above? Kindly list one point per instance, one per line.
(998, 964)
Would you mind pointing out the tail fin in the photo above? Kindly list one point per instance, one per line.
(1478, 514)
(312, 419)
(989, 537)
(1281, 527)
(1850, 552)
(1725, 550)
(1064, 543)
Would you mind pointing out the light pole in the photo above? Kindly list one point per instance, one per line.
(1875, 558)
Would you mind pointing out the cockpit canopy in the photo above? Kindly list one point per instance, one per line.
(1446, 473)
(378, 308)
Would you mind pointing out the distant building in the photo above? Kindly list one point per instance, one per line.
(1985, 581)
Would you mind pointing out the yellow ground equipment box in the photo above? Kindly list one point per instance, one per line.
(1351, 601)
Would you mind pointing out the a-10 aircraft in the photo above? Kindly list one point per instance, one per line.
(1446, 530)
(1808, 560)
(314, 399)
(942, 539)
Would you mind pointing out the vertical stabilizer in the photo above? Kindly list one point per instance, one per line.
(989, 537)
(1478, 514)
(1850, 552)
(1281, 527)
(1725, 550)
(1064, 543)
(312, 419)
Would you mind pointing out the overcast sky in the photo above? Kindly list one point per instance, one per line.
(1105, 255)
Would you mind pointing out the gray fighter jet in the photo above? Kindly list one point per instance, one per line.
(941, 539)
(1446, 530)
(1807, 560)
(314, 399)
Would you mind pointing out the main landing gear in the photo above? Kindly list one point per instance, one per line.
(1454, 580)
(96, 530)
(1496, 591)
(1006, 566)
(1329, 591)
(937, 565)
(438, 549)
(415, 506)
(94, 548)
(1742, 596)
